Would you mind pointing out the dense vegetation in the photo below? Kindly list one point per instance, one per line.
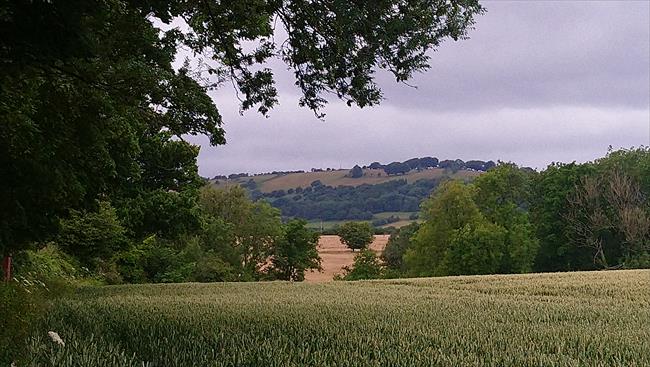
(563, 320)
(397, 168)
(94, 113)
(325, 202)
(316, 200)
(594, 215)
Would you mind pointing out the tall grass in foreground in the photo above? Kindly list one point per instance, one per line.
(570, 319)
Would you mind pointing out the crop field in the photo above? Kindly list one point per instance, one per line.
(569, 319)
(335, 256)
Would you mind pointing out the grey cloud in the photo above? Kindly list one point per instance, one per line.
(537, 82)
(525, 53)
(533, 137)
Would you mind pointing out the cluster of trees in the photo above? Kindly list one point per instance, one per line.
(573, 216)
(325, 202)
(221, 236)
(94, 113)
(358, 236)
(400, 168)
(234, 176)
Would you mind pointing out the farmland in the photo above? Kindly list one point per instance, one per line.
(560, 319)
(271, 182)
(335, 256)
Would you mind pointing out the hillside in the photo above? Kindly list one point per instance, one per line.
(557, 319)
(268, 183)
(327, 198)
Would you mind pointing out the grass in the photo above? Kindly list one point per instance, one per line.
(400, 215)
(569, 319)
(326, 224)
(331, 224)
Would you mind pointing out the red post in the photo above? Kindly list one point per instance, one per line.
(6, 268)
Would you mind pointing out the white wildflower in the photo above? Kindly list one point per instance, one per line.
(56, 338)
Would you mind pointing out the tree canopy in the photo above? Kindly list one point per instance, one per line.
(93, 108)
(356, 235)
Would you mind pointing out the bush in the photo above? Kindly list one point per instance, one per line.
(366, 266)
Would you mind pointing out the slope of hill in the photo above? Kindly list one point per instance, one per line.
(272, 182)
(326, 198)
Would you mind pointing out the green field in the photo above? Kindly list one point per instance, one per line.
(569, 319)
(331, 224)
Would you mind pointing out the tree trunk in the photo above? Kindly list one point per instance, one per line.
(6, 268)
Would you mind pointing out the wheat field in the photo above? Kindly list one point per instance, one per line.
(562, 319)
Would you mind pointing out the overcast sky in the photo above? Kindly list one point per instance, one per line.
(537, 82)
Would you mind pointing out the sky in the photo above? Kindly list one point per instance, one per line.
(537, 82)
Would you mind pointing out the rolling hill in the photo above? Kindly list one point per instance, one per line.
(268, 183)
(326, 198)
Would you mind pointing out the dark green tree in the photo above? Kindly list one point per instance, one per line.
(295, 252)
(92, 237)
(548, 210)
(503, 197)
(356, 172)
(356, 235)
(449, 209)
(85, 86)
(397, 245)
(366, 266)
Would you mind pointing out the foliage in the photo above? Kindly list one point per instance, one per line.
(79, 111)
(476, 248)
(481, 228)
(492, 321)
(397, 168)
(356, 235)
(503, 196)
(591, 215)
(255, 226)
(356, 172)
(607, 214)
(549, 207)
(48, 263)
(450, 208)
(366, 266)
(383, 221)
(398, 243)
(92, 237)
(352, 203)
(295, 252)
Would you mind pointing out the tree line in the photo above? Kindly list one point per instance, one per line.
(400, 168)
(94, 113)
(568, 217)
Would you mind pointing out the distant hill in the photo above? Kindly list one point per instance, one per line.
(327, 198)
(268, 183)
